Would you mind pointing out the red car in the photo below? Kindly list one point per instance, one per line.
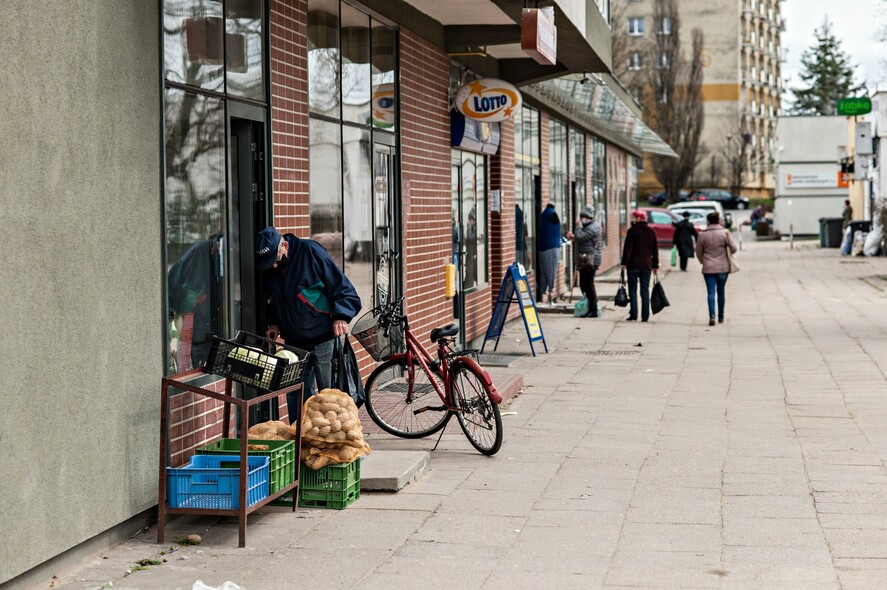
(662, 222)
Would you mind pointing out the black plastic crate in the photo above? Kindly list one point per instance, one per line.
(249, 359)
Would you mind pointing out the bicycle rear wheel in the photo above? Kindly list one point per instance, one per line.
(479, 417)
(387, 390)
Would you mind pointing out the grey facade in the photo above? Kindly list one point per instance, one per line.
(80, 276)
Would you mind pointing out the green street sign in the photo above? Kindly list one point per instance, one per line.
(854, 106)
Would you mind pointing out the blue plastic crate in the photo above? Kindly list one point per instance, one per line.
(213, 482)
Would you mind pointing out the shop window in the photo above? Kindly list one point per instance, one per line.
(244, 48)
(384, 97)
(195, 225)
(557, 166)
(326, 173)
(599, 183)
(352, 104)
(469, 218)
(323, 58)
(209, 49)
(193, 33)
(358, 199)
(527, 163)
(577, 176)
(356, 72)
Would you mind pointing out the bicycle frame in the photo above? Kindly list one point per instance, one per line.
(415, 350)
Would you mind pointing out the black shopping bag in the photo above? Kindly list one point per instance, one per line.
(621, 299)
(345, 372)
(658, 300)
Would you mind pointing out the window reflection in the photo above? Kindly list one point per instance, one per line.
(469, 218)
(357, 185)
(325, 187)
(195, 198)
(243, 48)
(557, 154)
(527, 163)
(384, 98)
(192, 43)
(356, 73)
(323, 57)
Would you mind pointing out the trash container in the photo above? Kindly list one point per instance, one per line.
(833, 233)
(863, 226)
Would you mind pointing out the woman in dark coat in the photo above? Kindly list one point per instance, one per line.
(684, 238)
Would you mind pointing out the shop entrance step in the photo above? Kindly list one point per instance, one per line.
(390, 471)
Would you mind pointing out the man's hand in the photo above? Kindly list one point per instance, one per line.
(273, 332)
(340, 327)
(570, 235)
(655, 271)
(623, 267)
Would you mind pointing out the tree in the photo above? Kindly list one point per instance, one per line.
(827, 75)
(673, 97)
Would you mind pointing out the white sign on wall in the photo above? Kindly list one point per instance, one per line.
(814, 179)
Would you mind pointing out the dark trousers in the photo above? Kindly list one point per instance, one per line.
(683, 261)
(641, 275)
(586, 285)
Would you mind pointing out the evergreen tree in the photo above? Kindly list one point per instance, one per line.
(827, 74)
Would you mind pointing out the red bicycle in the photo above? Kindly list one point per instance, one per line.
(412, 394)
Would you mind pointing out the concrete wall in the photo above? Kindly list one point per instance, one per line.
(80, 276)
(808, 146)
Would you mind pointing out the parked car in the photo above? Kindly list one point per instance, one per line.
(659, 198)
(662, 222)
(706, 206)
(727, 199)
(697, 217)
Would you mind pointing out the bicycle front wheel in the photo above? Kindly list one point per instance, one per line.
(403, 402)
(478, 416)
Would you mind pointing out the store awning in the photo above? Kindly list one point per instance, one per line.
(599, 103)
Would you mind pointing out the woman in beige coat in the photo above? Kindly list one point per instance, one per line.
(711, 250)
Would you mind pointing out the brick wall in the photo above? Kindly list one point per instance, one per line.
(289, 115)
(425, 181)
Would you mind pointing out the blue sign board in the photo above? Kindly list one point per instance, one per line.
(515, 287)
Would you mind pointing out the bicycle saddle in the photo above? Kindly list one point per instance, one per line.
(445, 332)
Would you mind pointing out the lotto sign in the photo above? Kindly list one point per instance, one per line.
(384, 106)
(488, 99)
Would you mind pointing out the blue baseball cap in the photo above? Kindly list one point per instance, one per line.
(267, 243)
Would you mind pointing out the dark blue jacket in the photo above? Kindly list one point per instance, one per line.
(549, 229)
(308, 294)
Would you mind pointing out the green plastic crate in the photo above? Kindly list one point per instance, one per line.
(282, 454)
(333, 486)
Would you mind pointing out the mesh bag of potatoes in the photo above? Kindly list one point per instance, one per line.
(272, 430)
(331, 430)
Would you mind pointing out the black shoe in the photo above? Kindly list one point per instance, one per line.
(711, 321)
(720, 320)
(590, 315)
(631, 319)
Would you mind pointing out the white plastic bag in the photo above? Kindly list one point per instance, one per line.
(872, 242)
(228, 585)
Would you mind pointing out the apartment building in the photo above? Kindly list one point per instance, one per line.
(742, 59)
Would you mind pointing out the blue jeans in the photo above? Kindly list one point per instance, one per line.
(712, 281)
(319, 369)
(642, 275)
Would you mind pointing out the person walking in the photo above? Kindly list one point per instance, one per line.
(310, 302)
(588, 239)
(711, 250)
(640, 257)
(549, 246)
(684, 239)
